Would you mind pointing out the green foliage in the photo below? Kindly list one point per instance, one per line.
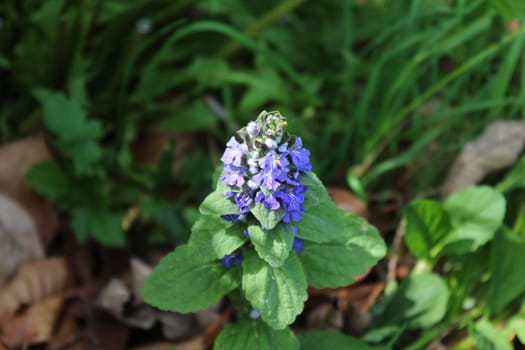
(338, 263)
(472, 231)
(268, 218)
(466, 220)
(273, 246)
(322, 220)
(49, 179)
(476, 214)
(314, 340)
(372, 88)
(174, 284)
(506, 281)
(212, 236)
(510, 9)
(486, 337)
(77, 135)
(105, 227)
(273, 278)
(427, 225)
(419, 302)
(249, 334)
(278, 293)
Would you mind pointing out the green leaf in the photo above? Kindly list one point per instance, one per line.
(278, 293)
(66, 117)
(102, 225)
(515, 178)
(419, 302)
(195, 116)
(256, 335)
(506, 281)
(510, 9)
(214, 238)
(273, 246)
(486, 337)
(330, 340)
(77, 134)
(426, 226)
(268, 218)
(476, 213)
(338, 263)
(184, 281)
(322, 221)
(217, 204)
(47, 178)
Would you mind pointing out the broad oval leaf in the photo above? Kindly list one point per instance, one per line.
(255, 334)
(185, 282)
(338, 263)
(427, 224)
(273, 246)
(214, 238)
(322, 221)
(419, 302)
(506, 278)
(476, 213)
(216, 204)
(266, 217)
(278, 293)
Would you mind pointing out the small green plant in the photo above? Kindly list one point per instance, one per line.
(479, 289)
(267, 232)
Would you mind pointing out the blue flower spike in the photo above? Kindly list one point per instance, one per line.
(263, 164)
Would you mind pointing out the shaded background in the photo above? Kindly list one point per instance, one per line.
(124, 106)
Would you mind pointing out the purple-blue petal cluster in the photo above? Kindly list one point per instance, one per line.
(230, 260)
(263, 164)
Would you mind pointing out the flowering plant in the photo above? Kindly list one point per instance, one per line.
(267, 232)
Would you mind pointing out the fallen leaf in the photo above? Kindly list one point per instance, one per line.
(139, 272)
(193, 344)
(16, 159)
(496, 148)
(348, 201)
(34, 326)
(19, 240)
(121, 301)
(104, 332)
(68, 334)
(33, 282)
(115, 298)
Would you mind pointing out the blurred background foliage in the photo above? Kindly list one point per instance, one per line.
(383, 92)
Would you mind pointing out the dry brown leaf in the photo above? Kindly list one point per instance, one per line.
(496, 148)
(34, 281)
(104, 332)
(19, 241)
(68, 334)
(139, 272)
(16, 159)
(34, 326)
(348, 201)
(115, 296)
(193, 344)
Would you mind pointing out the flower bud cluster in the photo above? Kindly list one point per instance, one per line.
(263, 165)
